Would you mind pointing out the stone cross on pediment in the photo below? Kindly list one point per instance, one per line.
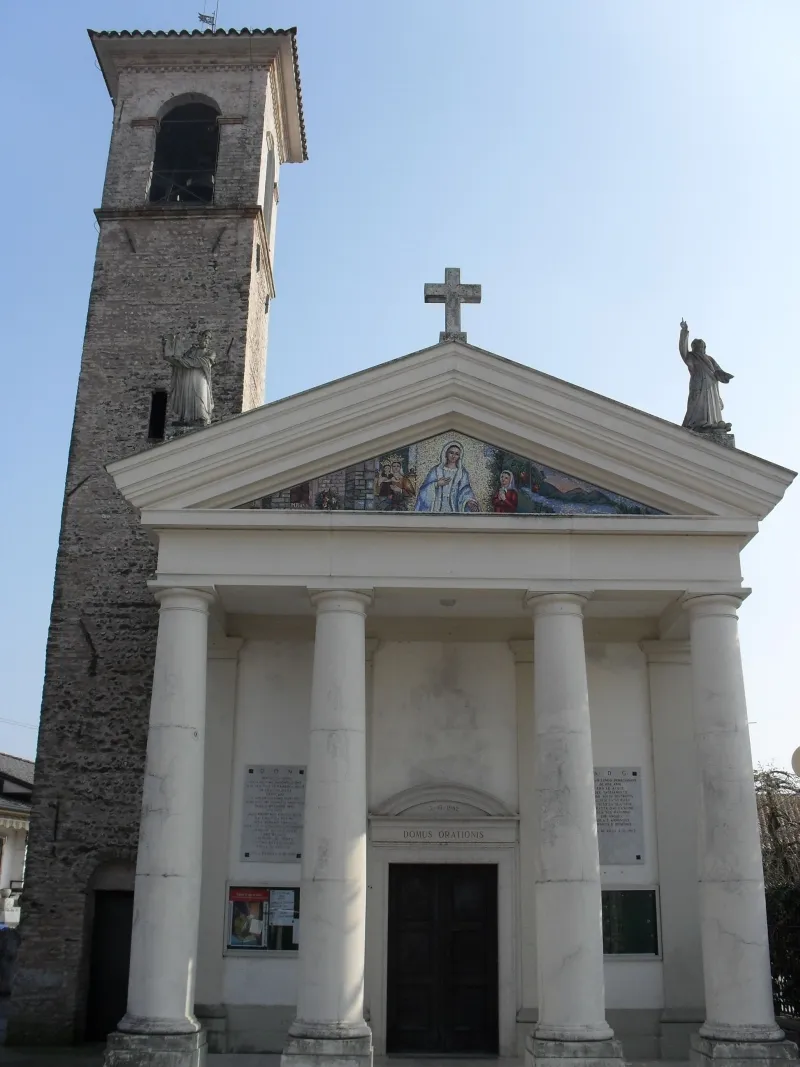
(452, 294)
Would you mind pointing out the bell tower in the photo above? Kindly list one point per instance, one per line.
(202, 122)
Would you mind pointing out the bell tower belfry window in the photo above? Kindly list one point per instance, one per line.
(185, 159)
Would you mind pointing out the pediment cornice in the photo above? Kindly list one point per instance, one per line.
(458, 387)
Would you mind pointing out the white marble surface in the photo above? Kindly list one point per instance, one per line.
(705, 1051)
(569, 934)
(736, 963)
(87, 1057)
(169, 863)
(330, 1001)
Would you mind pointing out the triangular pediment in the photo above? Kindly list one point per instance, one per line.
(451, 473)
(589, 453)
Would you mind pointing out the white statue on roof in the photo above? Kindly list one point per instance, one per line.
(704, 409)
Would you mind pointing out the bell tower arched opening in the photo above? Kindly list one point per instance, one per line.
(185, 158)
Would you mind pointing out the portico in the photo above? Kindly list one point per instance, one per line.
(450, 686)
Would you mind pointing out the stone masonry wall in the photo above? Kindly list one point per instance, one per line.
(242, 97)
(158, 270)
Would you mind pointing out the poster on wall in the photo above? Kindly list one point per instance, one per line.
(620, 825)
(272, 814)
(263, 918)
(281, 907)
(248, 910)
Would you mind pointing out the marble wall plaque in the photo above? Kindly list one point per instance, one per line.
(272, 814)
(620, 826)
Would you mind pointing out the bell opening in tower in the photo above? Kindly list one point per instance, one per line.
(185, 158)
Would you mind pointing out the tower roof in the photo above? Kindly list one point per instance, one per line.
(116, 49)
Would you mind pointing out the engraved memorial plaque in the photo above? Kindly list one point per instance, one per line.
(620, 826)
(272, 814)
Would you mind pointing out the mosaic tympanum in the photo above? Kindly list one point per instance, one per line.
(452, 473)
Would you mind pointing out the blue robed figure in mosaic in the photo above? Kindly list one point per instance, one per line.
(447, 487)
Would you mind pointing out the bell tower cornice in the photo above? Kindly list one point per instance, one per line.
(155, 213)
(204, 50)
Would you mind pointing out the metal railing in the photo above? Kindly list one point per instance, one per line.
(182, 186)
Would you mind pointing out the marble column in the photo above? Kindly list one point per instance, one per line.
(330, 1026)
(736, 967)
(571, 1023)
(160, 1028)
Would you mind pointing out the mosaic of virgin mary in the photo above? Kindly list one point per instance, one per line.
(447, 487)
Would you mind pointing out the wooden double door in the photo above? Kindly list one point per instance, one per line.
(442, 959)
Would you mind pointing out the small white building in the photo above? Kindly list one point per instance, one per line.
(447, 691)
(16, 789)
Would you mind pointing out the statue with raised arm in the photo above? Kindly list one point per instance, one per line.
(191, 399)
(704, 410)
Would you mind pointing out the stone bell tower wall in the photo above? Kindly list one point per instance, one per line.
(159, 269)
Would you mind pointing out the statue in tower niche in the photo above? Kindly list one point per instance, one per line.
(191, 398)
(704, 409)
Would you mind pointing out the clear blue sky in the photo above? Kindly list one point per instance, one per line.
(602, 167)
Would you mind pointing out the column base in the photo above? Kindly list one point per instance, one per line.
(155, 1050)
(327, 1052)
(544, 1052)
(214, 1020)
(717, 1052)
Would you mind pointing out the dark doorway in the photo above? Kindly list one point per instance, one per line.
(109, 962)
(442, 965)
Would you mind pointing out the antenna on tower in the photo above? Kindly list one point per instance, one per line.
(209, 20)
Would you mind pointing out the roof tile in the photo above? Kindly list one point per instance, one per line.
(16, 767)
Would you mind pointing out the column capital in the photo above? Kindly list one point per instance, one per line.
(355, 601)
(702, 605)
(184, 598)
(556, 603)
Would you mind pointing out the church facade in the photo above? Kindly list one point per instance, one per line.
(430, 726)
